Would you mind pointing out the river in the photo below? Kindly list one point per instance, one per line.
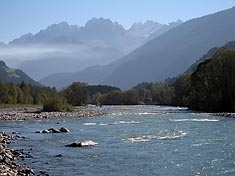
(132, 140)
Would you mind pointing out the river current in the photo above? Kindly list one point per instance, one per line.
(132, 140)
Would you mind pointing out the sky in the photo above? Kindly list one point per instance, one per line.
(18, 17)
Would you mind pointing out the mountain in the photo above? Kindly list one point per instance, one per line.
(114, 35)
(93, 75)
(104, 31)
(2, 44)
(63, 47)
(150, 29)
(9, 75)
(70, 48)
(167, 55)
(210, 53)
(164, 29)
(144, 29)
(52, 34)
(174, 51)
(74, 59)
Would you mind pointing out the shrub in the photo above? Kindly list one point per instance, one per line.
(56, 104)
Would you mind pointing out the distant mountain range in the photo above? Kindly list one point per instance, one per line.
(69, 48)
(173, 52)
(166, 55)
(9, 75)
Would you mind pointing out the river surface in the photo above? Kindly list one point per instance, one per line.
(132, 140)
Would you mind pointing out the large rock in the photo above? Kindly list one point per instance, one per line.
(64, 130)
(53, 130)
(82, 144)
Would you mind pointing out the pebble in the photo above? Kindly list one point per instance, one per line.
(22, 114)
(7, 165)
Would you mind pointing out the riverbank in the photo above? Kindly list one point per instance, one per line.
(29, 113)
(8, 166)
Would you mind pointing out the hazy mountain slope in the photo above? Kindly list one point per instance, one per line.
(91, 75)
(2, 45)
(62, 47)
(9, 75)
(79, 58)
(96, 73)
(174, 51)
(210, 53)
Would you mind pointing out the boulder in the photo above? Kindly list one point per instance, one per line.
(45, 131)
(53, 130)
(82, 144)
(59, 155)
(64, 130)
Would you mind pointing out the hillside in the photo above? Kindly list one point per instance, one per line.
(174, 51)
(210, 53)
(92, 75)
(167, 55)
(9, 75)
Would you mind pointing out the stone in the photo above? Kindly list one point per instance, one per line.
(59, 155)
(82, 144)
(64, 130)
(53, 130)
(45, 131)
(7, 165)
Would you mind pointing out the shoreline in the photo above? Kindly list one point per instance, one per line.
(8, 157)
(29, 113)
(8, 165)
(33, 113)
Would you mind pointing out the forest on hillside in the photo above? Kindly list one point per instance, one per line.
(211, 87)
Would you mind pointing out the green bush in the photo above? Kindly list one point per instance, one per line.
(56, 104)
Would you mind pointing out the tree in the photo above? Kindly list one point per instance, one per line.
(77, 94)
(182, 88)
(112, 98)
(27, 98)
(163, 94)
(3, 92)
(12, 94)
(213, 83)
(130, 97)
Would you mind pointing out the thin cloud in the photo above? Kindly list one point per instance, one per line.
(29, 52)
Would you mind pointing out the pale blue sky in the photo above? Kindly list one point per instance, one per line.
(18, 17)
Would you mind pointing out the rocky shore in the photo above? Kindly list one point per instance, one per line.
(34, 113)
(8, 166)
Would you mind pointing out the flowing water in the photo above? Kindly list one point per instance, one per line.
(132, 140)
